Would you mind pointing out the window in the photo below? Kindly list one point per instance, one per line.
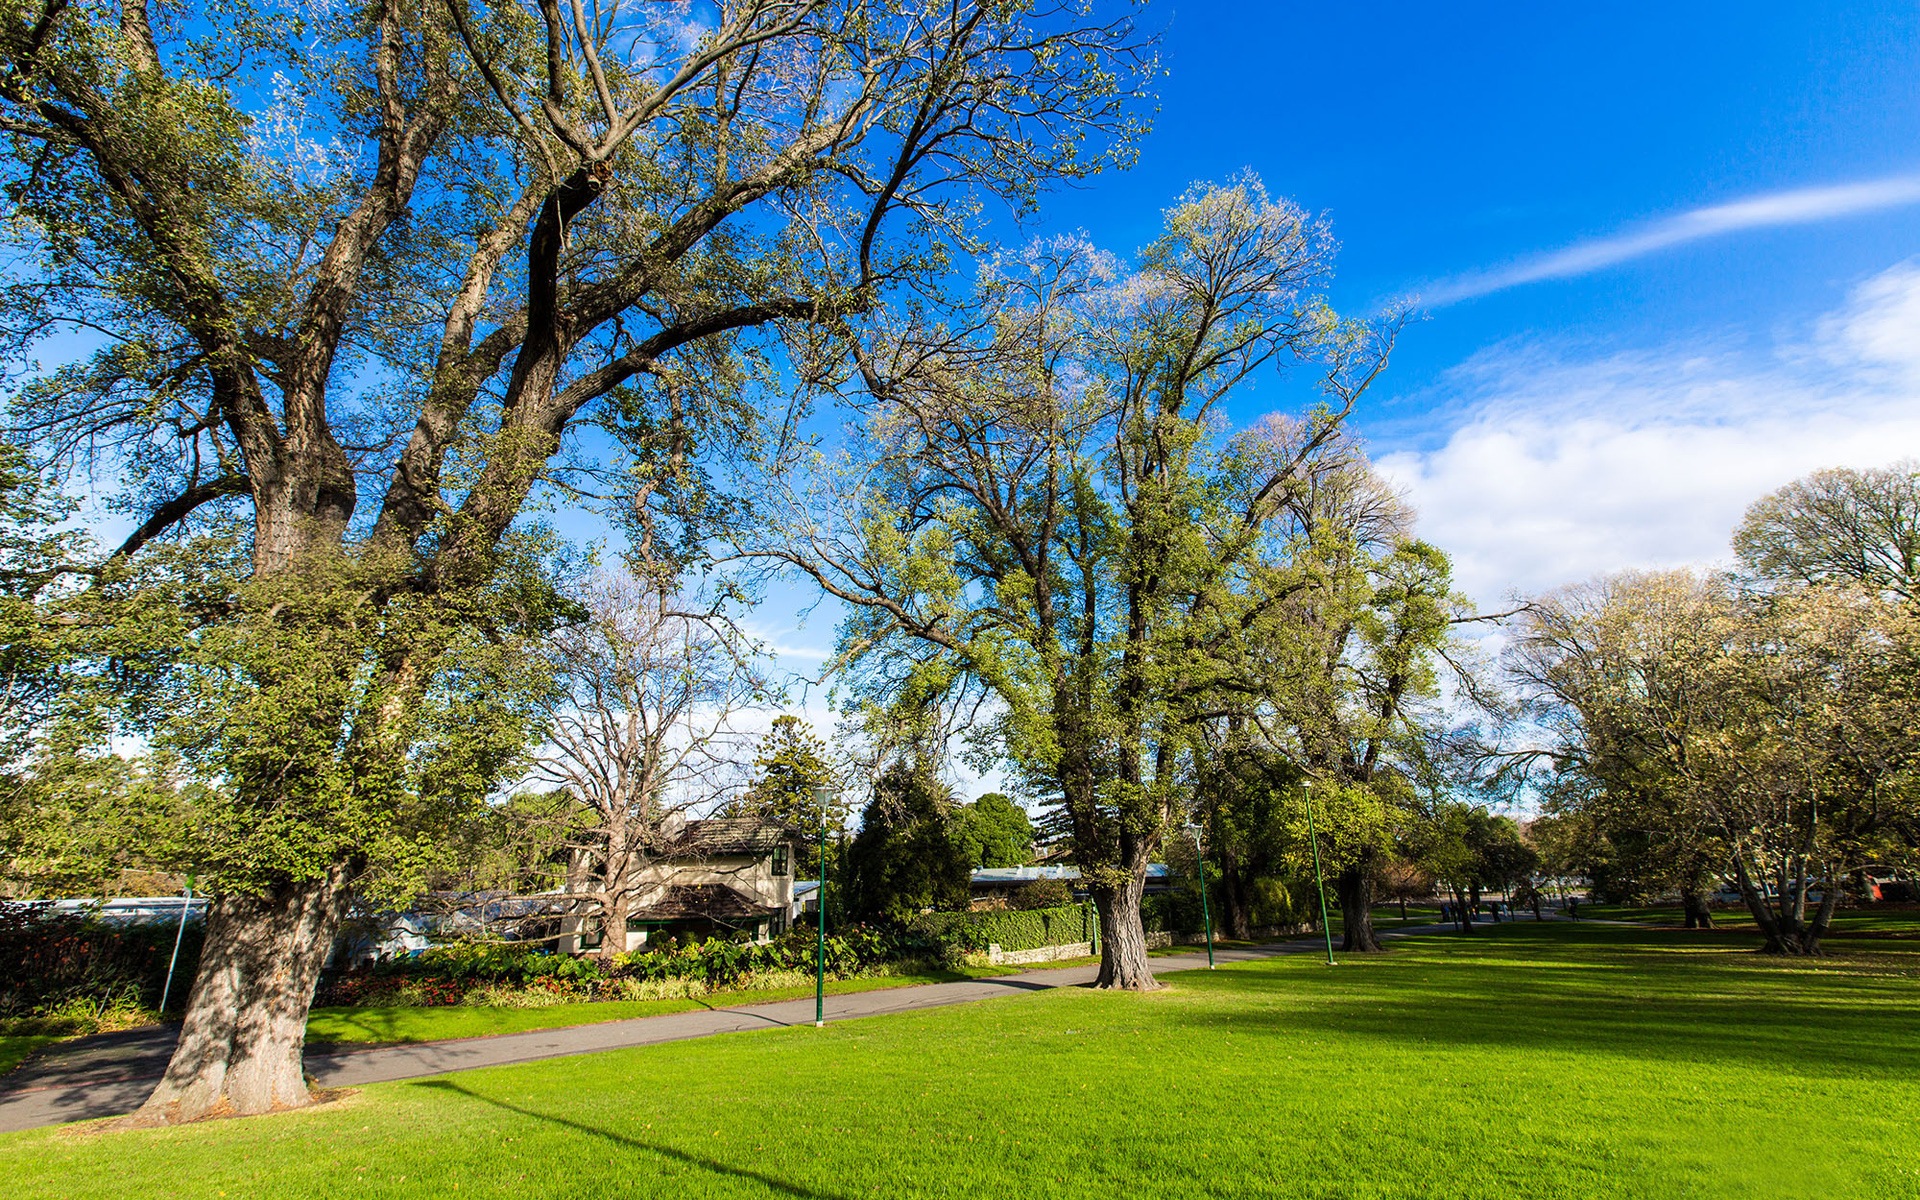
(780, 860)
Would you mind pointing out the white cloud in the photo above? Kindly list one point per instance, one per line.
(1800, 206)
(1564, 467)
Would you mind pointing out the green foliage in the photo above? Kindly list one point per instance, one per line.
(1041, 893)
(257, 699)
(904, 858)
(454, 972)
(1028, 929)
(993, 831)
(1095, 561)
(65, 968)
(790, 763)
(1838, 526)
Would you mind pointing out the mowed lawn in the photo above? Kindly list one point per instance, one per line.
(1529, 1061)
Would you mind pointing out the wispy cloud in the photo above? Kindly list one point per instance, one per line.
(1800, 206)
(1564, 466)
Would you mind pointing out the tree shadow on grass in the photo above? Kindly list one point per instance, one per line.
(1613, 998)
(780, 1186)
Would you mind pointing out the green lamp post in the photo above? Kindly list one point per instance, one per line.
(1206, 911)
(1313, 834)
(822, 796)
(186, 903)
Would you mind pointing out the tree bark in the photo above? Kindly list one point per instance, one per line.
(1356, 909)
(613, 926)
(1236, 905)
(1462, 915)
(1693, 901)
(240, 1048)
(1123, 940)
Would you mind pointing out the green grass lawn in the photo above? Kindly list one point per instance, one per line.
(1552, 1060)
(15, 1047)
(1864, 922)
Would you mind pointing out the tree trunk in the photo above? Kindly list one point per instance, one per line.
(1236, 906)
(1123, 941)
(240, 1047)
(1356, 908)
(613, 924)
(1693, 901)
(1462, 915)
(1791, 935)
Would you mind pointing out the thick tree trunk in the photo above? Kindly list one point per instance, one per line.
(1693, 901)
(239, 1051)
(1356, 909)
(1790, 935)
(1123, 941)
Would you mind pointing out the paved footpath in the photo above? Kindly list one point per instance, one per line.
(110, 1074)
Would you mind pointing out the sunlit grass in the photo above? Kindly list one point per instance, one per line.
(1527, 1061)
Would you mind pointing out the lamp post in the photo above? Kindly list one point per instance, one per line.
(1313, 834)
(822, 796)
(186, 904)
(1206, 911)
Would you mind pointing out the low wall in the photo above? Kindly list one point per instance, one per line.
(999, 957)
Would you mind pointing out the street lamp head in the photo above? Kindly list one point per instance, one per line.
(823, 794)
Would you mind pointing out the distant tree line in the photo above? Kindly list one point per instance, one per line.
(1753, 731)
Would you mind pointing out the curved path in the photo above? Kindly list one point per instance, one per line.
(110, 1074)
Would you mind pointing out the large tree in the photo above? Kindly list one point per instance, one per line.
(1839, 526)
(1037, 521)
(790, 766)
(1773, 729)
(341, 284)
(993, 831)
(904, 860)
(643, 729)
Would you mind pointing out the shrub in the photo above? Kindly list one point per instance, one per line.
(1041, 893)
(48, 960)
(444, 974)
(1030, 929)
(658, 989)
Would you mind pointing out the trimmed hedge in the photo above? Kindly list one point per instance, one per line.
(50, 959)
(1010, 930)
(445, 973)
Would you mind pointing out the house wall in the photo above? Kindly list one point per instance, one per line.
(752, 877)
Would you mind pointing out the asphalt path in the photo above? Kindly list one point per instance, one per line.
(108, 1075)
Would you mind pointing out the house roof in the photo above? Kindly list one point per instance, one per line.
(997, 876)
(750, 836)
(697, 901)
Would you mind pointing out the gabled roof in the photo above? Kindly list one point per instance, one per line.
(696, 901)
(749, 836)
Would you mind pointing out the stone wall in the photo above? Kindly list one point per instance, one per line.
(998, 957)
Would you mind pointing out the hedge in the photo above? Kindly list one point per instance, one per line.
(1011, 930)
(448, 971)
(49, 958)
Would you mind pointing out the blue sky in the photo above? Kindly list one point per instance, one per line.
(1717, 192)
(1715, 207)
